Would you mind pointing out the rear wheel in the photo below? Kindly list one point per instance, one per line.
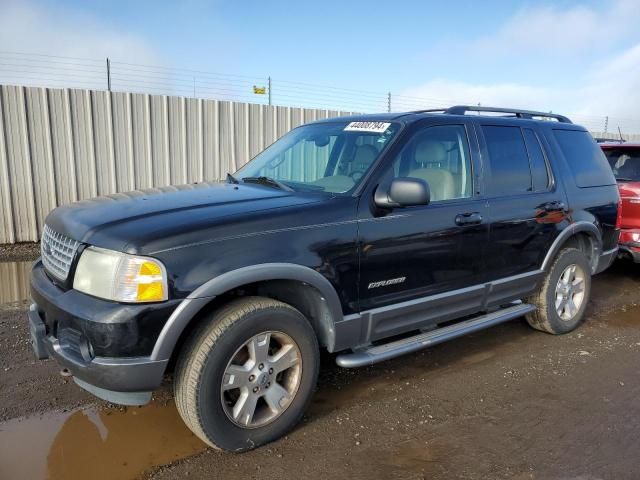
(563, 297)
(245, 377)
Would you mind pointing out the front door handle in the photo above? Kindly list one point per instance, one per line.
(556, 206)
(472, 218)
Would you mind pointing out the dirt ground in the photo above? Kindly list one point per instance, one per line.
(508, 402)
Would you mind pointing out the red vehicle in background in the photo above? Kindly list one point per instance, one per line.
(624, 158)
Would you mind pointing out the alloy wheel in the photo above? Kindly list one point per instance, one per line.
(570, 292)
(261, 379)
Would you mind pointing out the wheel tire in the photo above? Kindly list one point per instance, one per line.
(206, 355)
(546, 317)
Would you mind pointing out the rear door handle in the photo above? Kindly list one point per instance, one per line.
(473, 218)
(555, 206)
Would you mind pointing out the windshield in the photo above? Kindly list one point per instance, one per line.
(323, 157)
(625, 163)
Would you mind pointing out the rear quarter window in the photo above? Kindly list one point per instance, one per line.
(585, 158)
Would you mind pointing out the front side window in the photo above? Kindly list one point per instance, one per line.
(509, 171)
(323, 157)
(439, 155)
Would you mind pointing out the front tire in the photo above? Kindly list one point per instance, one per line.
(563, 297)
(245, 377)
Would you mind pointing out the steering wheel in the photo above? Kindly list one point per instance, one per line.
(356, 175)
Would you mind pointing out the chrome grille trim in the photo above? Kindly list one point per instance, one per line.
(57, 252)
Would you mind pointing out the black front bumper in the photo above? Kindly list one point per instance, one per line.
(105, 345)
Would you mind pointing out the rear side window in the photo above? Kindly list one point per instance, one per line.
(539, 169)
(508, 161)
(586, 160)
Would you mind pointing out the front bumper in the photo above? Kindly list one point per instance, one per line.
(105, 345)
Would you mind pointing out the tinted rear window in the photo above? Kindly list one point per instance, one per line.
(508, 160)
(586, 160)
(625, 163)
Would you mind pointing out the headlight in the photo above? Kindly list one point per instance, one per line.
(120, 277)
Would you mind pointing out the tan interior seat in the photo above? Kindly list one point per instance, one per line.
(363, 157)
(441, 182)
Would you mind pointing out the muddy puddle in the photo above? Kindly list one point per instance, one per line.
(14, 281)
(412, 455)
(94, 444)
(625, 317)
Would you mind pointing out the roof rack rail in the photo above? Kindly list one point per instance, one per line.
(463, 109)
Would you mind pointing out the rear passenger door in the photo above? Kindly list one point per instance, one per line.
(526, 207)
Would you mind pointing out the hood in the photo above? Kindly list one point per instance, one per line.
(146, 220)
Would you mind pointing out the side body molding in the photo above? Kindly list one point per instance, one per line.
(577, 227)
(189, 307)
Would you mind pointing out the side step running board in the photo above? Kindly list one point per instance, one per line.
(380, 353)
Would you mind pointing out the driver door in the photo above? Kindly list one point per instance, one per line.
(425, 263)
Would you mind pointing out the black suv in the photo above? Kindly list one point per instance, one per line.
(369, 236)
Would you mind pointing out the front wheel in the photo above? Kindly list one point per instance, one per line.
(563, 297)
(246, 376)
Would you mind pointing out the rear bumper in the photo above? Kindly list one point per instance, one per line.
(631, 252)
(630, 244)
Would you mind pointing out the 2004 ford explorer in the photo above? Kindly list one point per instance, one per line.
(369, 236)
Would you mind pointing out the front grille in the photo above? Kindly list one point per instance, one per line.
(57, 253)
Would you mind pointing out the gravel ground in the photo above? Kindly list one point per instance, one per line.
(508, 402)
(19, 252)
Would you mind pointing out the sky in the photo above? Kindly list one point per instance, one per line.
(581, 58)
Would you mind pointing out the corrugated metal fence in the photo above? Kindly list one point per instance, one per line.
(630, 137)
(62, 145)
(14, 281)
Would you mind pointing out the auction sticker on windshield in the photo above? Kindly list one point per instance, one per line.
(375, 127)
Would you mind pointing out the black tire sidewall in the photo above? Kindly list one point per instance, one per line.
(214, 421)
(567, 258)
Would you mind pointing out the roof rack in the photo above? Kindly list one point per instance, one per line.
(529, 114)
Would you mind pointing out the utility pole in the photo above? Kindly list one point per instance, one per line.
(108, 74)
(606, 124)
(269, 87)
(389, 102)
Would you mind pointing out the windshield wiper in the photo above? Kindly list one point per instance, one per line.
(232, 179)
(624, 179)
(269, 182)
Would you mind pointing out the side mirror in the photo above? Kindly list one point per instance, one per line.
(403, 192)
